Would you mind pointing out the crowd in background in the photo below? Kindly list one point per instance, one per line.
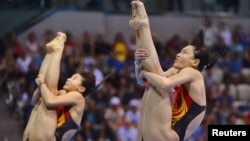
(112, 113)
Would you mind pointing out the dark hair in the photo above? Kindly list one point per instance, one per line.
(207, 60)
(89, 81)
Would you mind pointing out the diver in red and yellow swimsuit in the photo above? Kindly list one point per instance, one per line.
(44, 116)
(166, 115)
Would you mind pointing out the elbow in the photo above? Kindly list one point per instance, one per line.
(160, 72)
(49, 103)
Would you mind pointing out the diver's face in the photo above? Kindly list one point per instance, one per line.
(185, 58)
(74, 83)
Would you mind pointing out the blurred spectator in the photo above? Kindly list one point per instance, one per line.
(225, 32)
(133, 113)
(69, 46)
(123, 91)
(31, 75)
(246, 118)
(102, 46)
(217, 48)
(235, 119)
(7, 65)
(233, 68)
(103, 53)
(37, 61)
(87, 45)
(158, 45)
(225, 95)
(100, 98)
(24, 61)
(223, 112)
(115, 113)
(97, 72)
(127, 132)
(239, 30)
(120, 51)
(93, 121)
(210, 78)
(109, 133)
(14, 88)
(32, 45)
(211, 32)
(211, 99)
(236, 45)
(14, 45)
(120, 48)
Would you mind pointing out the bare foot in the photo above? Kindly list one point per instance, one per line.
(139, 15)
(57, 43)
